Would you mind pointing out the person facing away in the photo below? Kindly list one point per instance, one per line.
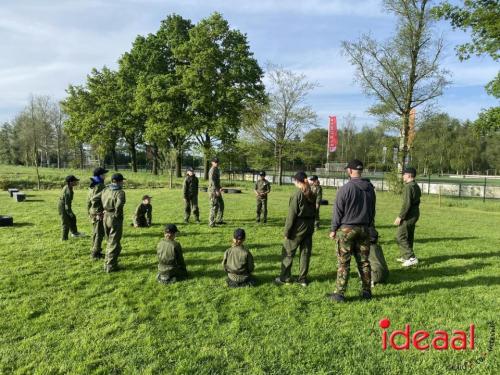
(378, 265)
(96, 211)
(262, 191)
(215, 194)
(353, 214)
(113, 202)
(299, 229)
(318, 192)
(190, 192)
(68, 218)
(143, 215)
(408, 217)
(171, 265)
(238, 262)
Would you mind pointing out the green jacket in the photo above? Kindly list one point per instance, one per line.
(262, 187)
(318, 191)
(94, 203)
(65, 200)
(143, 215)
(238, 263)
(214, 179)
(301, 214)
(170, 259)
(113, 200)
(190, 187)
(411, 201)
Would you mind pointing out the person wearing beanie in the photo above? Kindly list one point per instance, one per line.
(238, 262)
(171, 265)
(262, 190)
(190, 192)
(143, 215)
(96, 211)
(68, 218)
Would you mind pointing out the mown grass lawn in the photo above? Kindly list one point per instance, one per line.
(61, 314)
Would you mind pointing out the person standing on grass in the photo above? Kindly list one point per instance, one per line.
(96, 211)
(408, 217)
(238, 262)
(171, 265)
(215, 193)
(299, 229)
(190, 191)
(353, 215)
(318, 192)
(143, 215)
(113, 201)
(68, 218)
(262, 190)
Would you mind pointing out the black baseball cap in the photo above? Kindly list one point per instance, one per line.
(410, 170)
(100, 171)
(146, 197)
(239, 234)
(300, 176)
(171, 228)
(355, 164)
(71, 178)
(215, 160)
(313, 178)
(262, 173)
(118, 177)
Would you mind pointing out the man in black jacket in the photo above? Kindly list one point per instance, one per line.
(353, 214)
(190, 191)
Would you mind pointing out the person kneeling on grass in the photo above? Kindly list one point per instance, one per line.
(143, 213)
(238, 262)
(380, 271)
(171, 266)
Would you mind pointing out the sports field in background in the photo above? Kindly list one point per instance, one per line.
(60, 313)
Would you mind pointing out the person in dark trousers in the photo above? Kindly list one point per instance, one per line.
(143, 216)
(68, 218)
(299, 229)
(408, 217)
(238, 262)
(96, 211)
(171, 265)
(318, 191)
(378, 265)
(190, 192)
(262, 190)
(215, 194)
(353, 215)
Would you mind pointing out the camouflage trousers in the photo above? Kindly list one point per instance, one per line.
(68, 224)
(216, 209)
(262, 208)
(113, 228)
(353, 241)
(191, 207)
(97, 235)
(405, 237)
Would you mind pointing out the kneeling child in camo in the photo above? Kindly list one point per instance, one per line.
(171, 266)
(143, 213)
(238, 262)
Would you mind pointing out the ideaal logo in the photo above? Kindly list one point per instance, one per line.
(403, 339)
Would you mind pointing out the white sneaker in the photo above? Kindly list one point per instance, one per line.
(77, 235)
(400, 260)
(410, 262)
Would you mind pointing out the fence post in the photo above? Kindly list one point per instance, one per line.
(383, 174)
(439, 195)
(460, 190)
(484, 190)
(429, 185)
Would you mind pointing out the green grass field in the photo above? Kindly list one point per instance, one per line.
(61, 314)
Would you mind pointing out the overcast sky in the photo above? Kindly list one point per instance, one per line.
(48, 44)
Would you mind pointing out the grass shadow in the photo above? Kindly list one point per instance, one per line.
(477, 255)
(23, 224)
(436, 239)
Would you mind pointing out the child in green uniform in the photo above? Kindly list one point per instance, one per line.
(238, 262)
(143, 215)
(68, 218)
(171, 266)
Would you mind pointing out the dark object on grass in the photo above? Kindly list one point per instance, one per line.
(19, 196)
(324, 202)
(6, 221)
(12, 191)
(232, 191)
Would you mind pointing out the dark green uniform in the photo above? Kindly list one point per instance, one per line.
(113, 200)
(379, 269)
(238, 263)
(263, 188)
(68, 218)
(318, 191)
(171, 266)
(96, 215)
(143, 215)
(409, 215)
(299, 229)
(190, 191)
(216, 201)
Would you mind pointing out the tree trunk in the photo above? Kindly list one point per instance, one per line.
(178, 163)
(154, 152)
(133, 155)
(113, 159)
(280, 166)
(403, 142)
(82, 156)
(206, 163)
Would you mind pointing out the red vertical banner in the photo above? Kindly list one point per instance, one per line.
(333, 138)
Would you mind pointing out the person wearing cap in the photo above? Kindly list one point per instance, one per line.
(318, 192)
(143, 214)
(262, 190)
(408, 217)
(171, 265)
(378, 265)
(238, 262)
(299, 229)
(353, 215)
(96, 211)
(215, 193)
(68, 218)
(190, 191)
(113, 201)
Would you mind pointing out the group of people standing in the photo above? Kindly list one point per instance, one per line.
(352, 226)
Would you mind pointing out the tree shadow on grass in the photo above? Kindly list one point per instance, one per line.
(23, 224)
(34, 200)
(477, 255)
(436, 239)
